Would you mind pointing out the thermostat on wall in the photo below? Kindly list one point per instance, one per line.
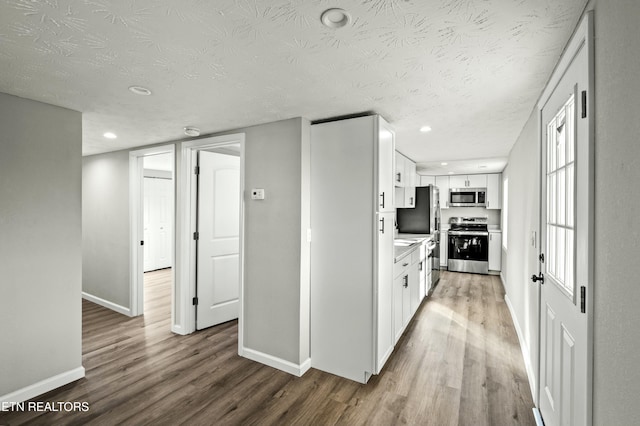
(257, 194)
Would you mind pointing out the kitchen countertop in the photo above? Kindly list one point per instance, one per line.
(402, 251)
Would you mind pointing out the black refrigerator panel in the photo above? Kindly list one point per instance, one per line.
(416, 220)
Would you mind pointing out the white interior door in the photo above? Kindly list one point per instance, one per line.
(158, 203)
(564, 389)
(218, 267)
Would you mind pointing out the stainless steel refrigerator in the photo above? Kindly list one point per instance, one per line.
(424, 219)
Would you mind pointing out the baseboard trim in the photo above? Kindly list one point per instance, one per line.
(105, 303)
(43, 386)
(538, 417)
(523, 347)
(178, 329)
(275, 362)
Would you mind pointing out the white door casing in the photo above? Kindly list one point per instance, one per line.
(566, 208)
(218, 266)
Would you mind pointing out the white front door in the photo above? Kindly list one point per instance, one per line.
(218, 267)
(564, 390)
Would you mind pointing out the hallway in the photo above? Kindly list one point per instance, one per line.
(458, 363)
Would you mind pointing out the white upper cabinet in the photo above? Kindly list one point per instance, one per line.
(427, 180)
(468, 181)
(494, 199)
(399, 178)
(405, 181)
(442, 182)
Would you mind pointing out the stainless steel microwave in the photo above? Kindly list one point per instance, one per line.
(468, 197)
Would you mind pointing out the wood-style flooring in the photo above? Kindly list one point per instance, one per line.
(458, 363)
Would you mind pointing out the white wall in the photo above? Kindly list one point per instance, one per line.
(493, 216)
(105, 227)
(521, 256)
(617, 229)
(40, 247)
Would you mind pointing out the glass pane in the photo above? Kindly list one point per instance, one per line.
(551, 146)
(560, 138)
(571, 123)
(551, 198)
(562, 197)
(570, 194)
(569, 282)
(561, 255)
(551, 249)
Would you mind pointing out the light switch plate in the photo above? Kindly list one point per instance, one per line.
(257, 194)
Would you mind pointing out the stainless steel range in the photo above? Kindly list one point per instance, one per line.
(468, 245)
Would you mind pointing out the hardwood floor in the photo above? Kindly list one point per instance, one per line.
(458, 363)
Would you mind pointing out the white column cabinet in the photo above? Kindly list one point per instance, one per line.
(352, 331)
(442, 182)
(494, 190)
(495, 250)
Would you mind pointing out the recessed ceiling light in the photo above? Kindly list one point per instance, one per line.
(425, 129)
(444, 164)
(482, 166)
(139, 90)
(110, 135)
(335, 18)
(192, 131)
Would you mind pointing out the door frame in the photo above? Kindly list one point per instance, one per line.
(583, 36)
(187, 196)
(136, 226)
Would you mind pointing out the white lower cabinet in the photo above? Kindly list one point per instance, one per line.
(444, 248)
(495, 250)
(401, 295)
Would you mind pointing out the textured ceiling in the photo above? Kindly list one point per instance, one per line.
(471, 69)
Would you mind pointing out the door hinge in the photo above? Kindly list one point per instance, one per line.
(195, 301)
(584, 104)
(583, 299)
(141, 243)
(196, 170)
(196, 235)
(541, 257)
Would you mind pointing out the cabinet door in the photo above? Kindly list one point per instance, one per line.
(399, 178)
(409, 196)
(406, 299)
(458, 181)
(385, 289)
(398, 291)
(444, 244)
(414, 289)
(442, 182)
(477, 181)
(410, 172)
(386, 144)
(493, 191)
(427, 180)
(495, 251)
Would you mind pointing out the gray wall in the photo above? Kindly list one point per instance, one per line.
(617, 191)
(40, 242)
(276, 290)
(105, 227)
(523, 217)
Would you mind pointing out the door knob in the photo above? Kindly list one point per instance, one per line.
(536, 278)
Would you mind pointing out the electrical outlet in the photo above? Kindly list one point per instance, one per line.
(257, 194)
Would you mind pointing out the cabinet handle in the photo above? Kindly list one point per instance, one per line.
(398, 177)
(382, 223)
(382, 203)
(404, 264)
(406, 281)
(410, 201)
(420, 267)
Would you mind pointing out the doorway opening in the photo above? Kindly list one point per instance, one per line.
(158, 207)
(152, 225)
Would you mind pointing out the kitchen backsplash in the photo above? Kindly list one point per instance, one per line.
(493, 216)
